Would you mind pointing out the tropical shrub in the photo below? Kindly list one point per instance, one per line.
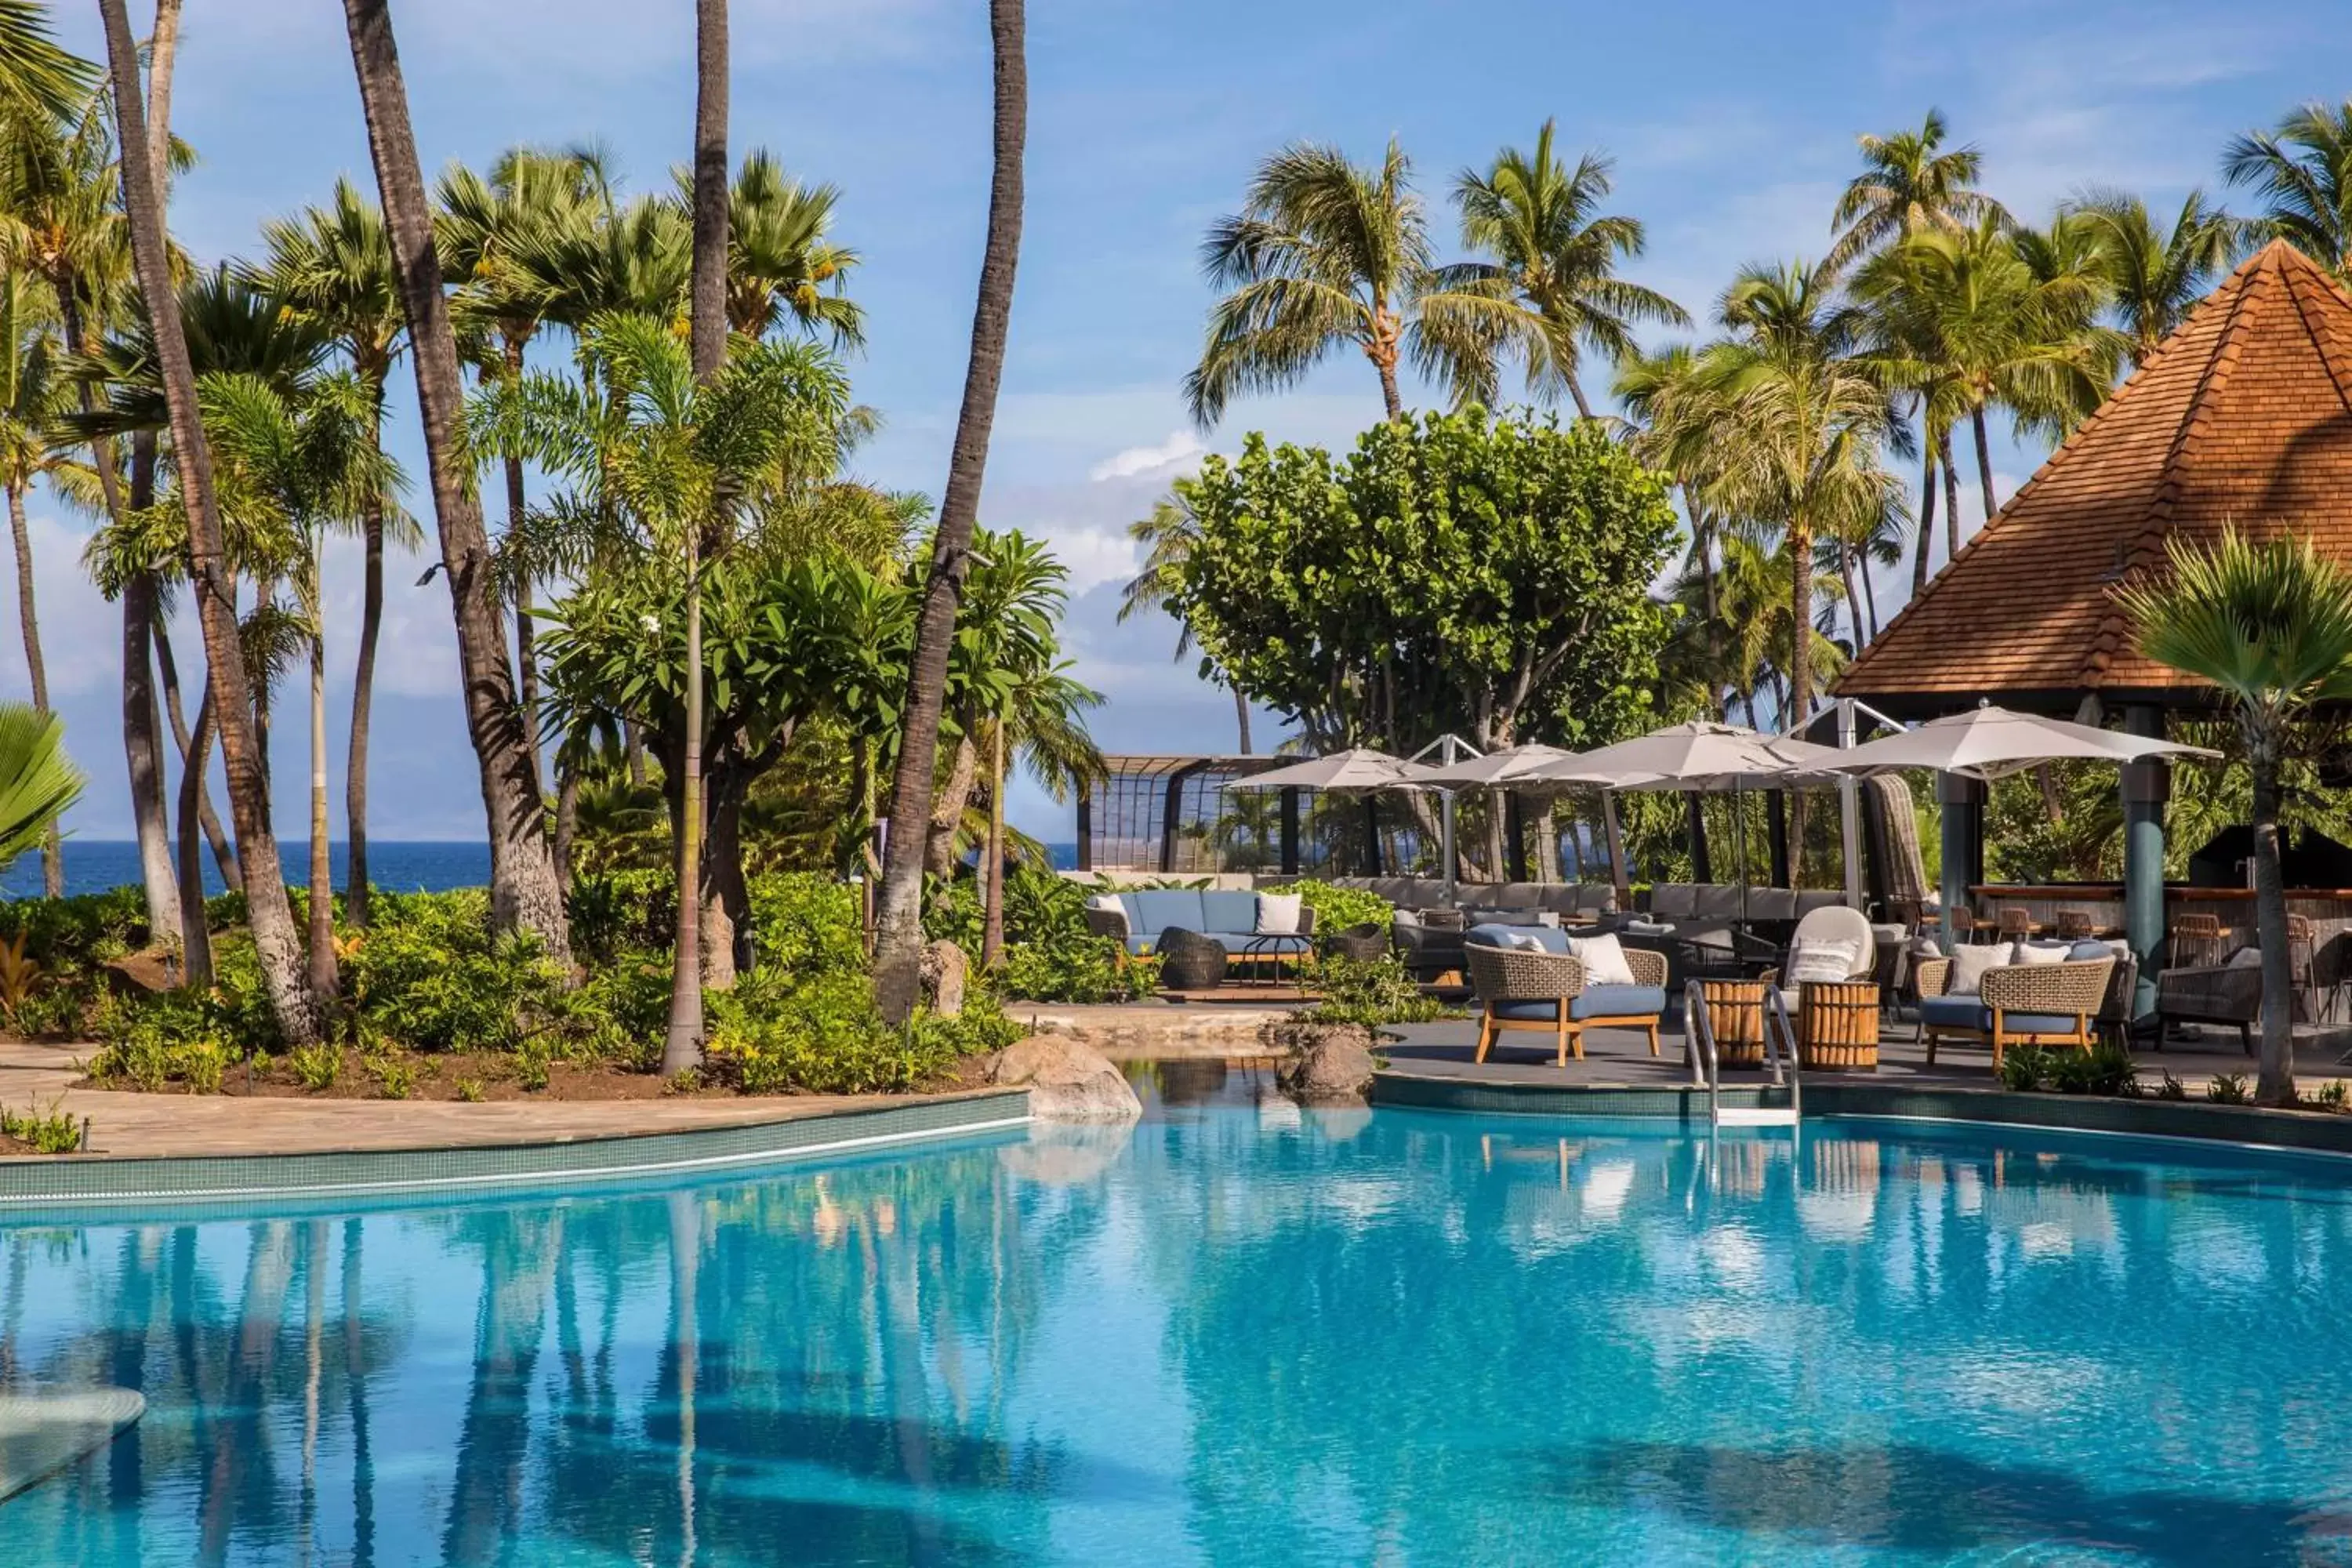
(2106, 1068)
(50, 1132)
(1336, 908)
(805, 923)
(823, 1035)
(1371, 992)
(430, 976)
(614, 912)
(1086, 969)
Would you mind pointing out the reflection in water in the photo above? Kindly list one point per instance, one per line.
(1231, 1335)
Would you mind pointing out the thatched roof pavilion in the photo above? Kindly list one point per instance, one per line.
(2243, 417)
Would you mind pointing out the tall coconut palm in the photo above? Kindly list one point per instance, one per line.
(493, 233)
(782, 263)
(2156, 276)
(32, 397)
(2301, 170)
(1805, 425)
(271, 920)
(524, 894)
(1910, 184)
(1167, 534)
(1325, 253)
(1553, 280)
(333, 265)
(2270, 625)
(898, 935)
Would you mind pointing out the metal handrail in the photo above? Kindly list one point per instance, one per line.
(1779, 1043)
(1699, 1030)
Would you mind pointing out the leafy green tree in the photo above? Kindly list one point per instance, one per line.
(2156, 276)
(1553, 280)
(2301, 170)
(1464, 571)
(2270, 625)
(1910, 184)
(1325, 253)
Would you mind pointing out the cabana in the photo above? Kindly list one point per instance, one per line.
(2242, 417)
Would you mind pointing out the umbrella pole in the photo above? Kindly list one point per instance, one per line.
(1445, 840)
(1739, 809)
(1616, 849)
(1849, 809)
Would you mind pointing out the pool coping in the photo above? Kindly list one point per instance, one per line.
(2294, 1132)
(32, 1180)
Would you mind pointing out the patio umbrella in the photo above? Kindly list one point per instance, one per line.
(1498, 767)
(1358, 767)
(1988, 743)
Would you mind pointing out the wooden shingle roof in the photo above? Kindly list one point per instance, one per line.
(2243, 415)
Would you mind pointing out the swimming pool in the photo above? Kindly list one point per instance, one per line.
(1239, 1334)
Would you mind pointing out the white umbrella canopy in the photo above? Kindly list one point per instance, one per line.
(1698, 755)
(1504, 767)
(1358, 767)
(1986, 743)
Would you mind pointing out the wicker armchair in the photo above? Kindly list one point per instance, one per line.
(1111, 923)
(1518, 989)
(1189, 961)
(2016, 1005)
(2228, 994)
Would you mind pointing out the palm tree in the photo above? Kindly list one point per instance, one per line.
(1909, 186)
(2156, 276)
(524, 894)
(1805, 421)
(1325, 253)
(333, 265)
(32, 397)
(898, 937)
(1167, 534)
(2271, 625)
(1676, 421)
(707, 334)
(2303, 171)
(37, 780)
(1553, 280)
(271, 920)
(38, 81)
(781, 264)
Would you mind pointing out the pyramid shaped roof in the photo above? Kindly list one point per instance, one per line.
(2242, 417)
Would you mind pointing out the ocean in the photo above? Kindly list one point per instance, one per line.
(401, 866)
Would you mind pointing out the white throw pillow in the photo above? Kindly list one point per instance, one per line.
(1103, 901)
(1278, 914)
(1604, 959)
(1970, 962)
(1815, 958)
(1524, 943)
(2035, 953)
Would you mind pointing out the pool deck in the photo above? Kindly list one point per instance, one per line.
(1621, 1058)
(135, 1126)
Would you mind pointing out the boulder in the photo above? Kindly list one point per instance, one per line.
(1323, 1064)
(1066, 1081)
(944, 973)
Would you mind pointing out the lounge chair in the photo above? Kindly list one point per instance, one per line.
(1544, 987)
(2017, 1004)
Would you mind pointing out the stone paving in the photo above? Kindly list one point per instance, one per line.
(121, 1123)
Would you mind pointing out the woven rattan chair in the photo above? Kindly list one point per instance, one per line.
(2077, 925)
(1967, 926)
(1363, 944)
(2016, 1005)
(2196, 943)
(2015, 922)
(1190, 961)
(1518, 989)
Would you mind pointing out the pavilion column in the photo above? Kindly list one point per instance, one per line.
(1963, 802)
(2146, 785)
(1776, 837)
(1289, 831)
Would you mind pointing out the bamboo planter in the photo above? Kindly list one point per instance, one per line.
(1837, 1025)
(1736, 1009)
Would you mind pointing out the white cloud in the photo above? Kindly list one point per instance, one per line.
(1136, 460)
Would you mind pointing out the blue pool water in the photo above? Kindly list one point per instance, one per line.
(1240, 1334)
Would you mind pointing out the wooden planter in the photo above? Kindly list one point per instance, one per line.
(1837, 1025)
(1736, 1009)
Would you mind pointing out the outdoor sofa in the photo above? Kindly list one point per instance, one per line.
(1530, 977)
(1230, 918)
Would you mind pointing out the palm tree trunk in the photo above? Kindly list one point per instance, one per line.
(707, 333)
(53, 864)
(947, 810)
(1927, 518)
(355, 769)
(991, 935)
(2275, 1083)
(898, 942)
(567, 817)
(524, 893)
(143, 750)
(322, 875)
(1984, 460)
(167, 668)
(196, 934)
(1801, 623)
(1853, 596)
(526, 635)
(275, 942)
(1870, 598)
(1576, 391)
(1951, 503)
(1241, 717)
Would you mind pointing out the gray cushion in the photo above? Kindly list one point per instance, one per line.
(1520, 896)
(1619, 1002)
(1223, 911)
(1493, 934)
(1157, 909)
(1968, 1012)
(1673, 900)
(1717, 904)
(1772, 904)
(1528, 1012)
(1811, 898)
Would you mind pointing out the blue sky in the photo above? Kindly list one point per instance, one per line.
(1733, 127)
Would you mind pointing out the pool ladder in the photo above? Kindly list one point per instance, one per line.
(1779, 1047)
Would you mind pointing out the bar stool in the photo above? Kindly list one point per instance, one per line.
(2016, 924)
(1967, 926)
(2195, 942)
(2302, 949)
(2075, 925)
